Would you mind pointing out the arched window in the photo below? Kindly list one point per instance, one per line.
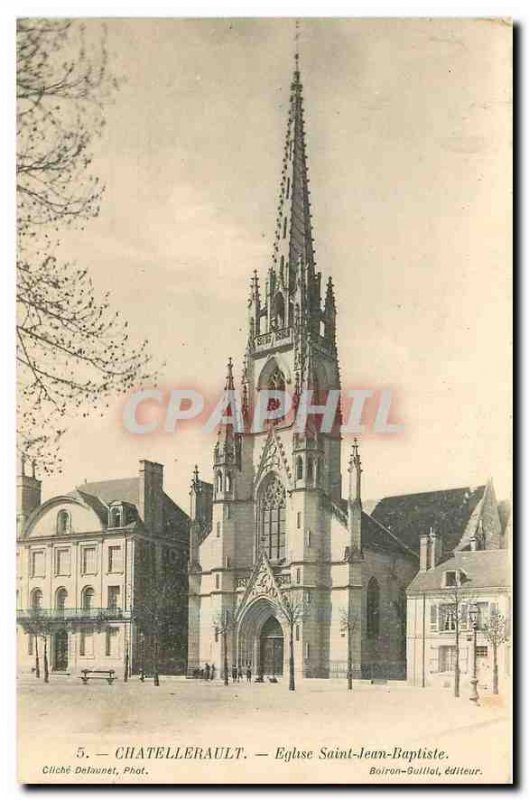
(310, 470)
(272, 518)
(61, 596)
(36, 599)
(115, 517)
(228, 482)
(278, 312)
(88, 598)
(219, 481)
(373, 609)
(63, 522)
(299, 468)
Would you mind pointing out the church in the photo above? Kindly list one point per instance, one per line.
(281, 564)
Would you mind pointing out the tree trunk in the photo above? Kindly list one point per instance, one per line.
(37, 660)
(349, 658)
(291, 680)
(495, 669)
(46, 671)
(156, 676)
(456, 666)
(225, 640)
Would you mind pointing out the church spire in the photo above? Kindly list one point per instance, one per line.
(293, 238)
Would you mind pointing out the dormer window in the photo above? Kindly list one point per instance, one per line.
(115, 517)
(453, 578)
(64, 523)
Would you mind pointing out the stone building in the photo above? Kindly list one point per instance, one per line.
(102, 575)
(465, 569)
(271, 533)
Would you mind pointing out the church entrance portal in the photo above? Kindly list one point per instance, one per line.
(271, 648)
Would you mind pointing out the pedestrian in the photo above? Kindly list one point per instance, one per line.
(212, 677)
(233, 673)
(206, 672)
(249, 673)
(239, 673)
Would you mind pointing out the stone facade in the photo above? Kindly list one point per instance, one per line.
(276, 552)
(98, 570)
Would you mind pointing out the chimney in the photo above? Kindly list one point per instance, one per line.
(436, 548)
(151, 495)
(28, 494)
(423, 552)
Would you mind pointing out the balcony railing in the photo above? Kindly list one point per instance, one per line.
(72, 614)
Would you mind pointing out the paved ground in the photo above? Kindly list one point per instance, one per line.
(58, 718)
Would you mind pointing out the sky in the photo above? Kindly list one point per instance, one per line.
(409, 151)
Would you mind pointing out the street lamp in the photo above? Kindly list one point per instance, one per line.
(474, 617)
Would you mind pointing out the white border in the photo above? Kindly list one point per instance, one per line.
(9, 10)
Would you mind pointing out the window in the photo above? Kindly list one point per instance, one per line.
(36, 599)
(216, 634)
(63, 522)
(451, 578)
(218, 530)
(310, 470)
(62, 561)
(447, 659)
(115, 561)
(307, 650)
(308, 597)
(86, 643)
(87, 599)
(482, 652)
(115, 517)
(373, 609)
(298, 575)
(483, 614)
(219, 481)
(299, 468)
(308, 537)
(38, 564)
(447, 617)
(111, 642)
(298, 519)
(297, 633)
(433, 617)
(288, 188)
(228, 482)
(284, 227)
(272, 519)
(88, 561)
(113, 598)
(61, 595)
(217, 581)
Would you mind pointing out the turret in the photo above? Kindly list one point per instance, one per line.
(227, 453)
(354, 501)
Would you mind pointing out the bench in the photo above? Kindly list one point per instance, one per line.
(107, 675)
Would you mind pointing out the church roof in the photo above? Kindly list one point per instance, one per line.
(484, 569)
(409, 516)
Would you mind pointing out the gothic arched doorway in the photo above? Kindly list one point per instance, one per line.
(271, 645)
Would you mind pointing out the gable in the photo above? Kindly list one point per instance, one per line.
(43, 522)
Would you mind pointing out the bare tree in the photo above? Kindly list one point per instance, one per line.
(39, 627)
(223, 624)
(348, 625)
(73, 352)
(293, 609)
(496, 633)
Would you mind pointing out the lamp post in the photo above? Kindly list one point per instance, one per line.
(142, 656)
(474, 617)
